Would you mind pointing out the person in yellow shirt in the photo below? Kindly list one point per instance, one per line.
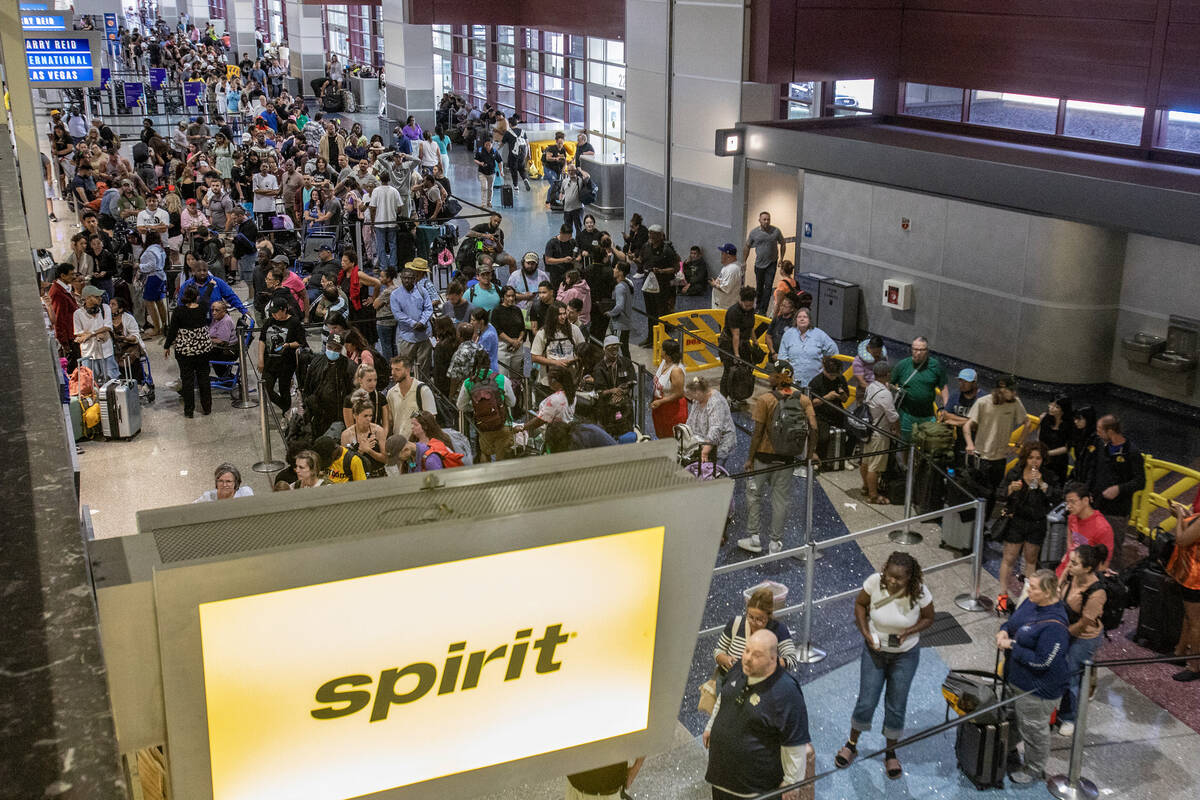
(344, 465)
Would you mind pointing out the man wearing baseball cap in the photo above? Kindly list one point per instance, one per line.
(956, 411)
(769, 435)
(526, 279)
(729, 279)
(613, 379)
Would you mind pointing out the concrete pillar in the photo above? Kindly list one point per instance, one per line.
(704, 93)
(408, 66)
(240, 18)
(306, 43)
(197, 11)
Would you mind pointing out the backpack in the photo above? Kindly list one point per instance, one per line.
(449, 458)
(521, 147)
(789, 424)
(935, 439)
(588, 192)
(1115, 600)
(487, 403)
(459, 443)
(348, 464)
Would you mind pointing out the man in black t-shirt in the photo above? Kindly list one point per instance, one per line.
(561, 256)
(281, 338)
(827, 389)
(554, 158)
(737, 336)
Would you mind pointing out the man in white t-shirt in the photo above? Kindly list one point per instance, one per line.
(153, 218)
(728, 282)
(384, 205)
(94, 335)
(266, 188)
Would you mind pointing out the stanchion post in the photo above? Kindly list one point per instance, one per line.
(974, 599)
(243, 400)
(1073, 786)
(268, 464)
(908, 536)
(809, 653)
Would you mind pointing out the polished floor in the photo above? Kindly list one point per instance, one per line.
(1137, 749)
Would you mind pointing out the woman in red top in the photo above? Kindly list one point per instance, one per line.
(1184, 567)
(1085, 525)
(354, 282)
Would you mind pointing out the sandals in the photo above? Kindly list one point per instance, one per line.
(891, 765)
(879, 500)
(846, 755)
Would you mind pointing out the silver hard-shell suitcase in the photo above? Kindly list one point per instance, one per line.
(1055, 546)
(120, 410)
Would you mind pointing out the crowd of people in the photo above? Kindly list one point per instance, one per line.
(514, 356)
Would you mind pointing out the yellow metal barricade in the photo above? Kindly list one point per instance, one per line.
(1148, 499)
(700, 330)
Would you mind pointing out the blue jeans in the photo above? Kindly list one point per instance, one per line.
(103, 369)
(876, 669)
(1079, 651)
(385, 246)
(386, 331)
(764, 280)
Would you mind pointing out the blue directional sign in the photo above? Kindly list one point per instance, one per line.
(192, 90)
(33, 7)
(133, 94)
(70, 59)
(43, 22)
(158, 76)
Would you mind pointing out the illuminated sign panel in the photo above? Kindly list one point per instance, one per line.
(70, 59)
(43, 22)
(356, 686)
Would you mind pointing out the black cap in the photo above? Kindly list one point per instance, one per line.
(782, 367)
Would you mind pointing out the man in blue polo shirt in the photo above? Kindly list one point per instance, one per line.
(211, 287)
(758, 734)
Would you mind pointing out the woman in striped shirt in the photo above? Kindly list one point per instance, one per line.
(759, 614)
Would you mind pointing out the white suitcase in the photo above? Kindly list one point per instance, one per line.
(120, 410)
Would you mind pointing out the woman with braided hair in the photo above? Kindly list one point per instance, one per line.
(892, 609)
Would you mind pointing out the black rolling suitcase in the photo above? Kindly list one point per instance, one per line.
(506, 196)
(1160, 620)
(982, 745)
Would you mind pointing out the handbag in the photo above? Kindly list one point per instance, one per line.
(650, 285)
(998, 527)
(708, 696)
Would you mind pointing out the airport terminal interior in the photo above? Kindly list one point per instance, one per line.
(813, 302)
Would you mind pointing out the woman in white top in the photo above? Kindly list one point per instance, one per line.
(556, 343)
(892, 609)
(669, 407)
(228, 482)
(428, 153)
(308, 470)
(559, 406)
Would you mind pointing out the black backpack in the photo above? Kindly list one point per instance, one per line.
(588, 191)
(789, 427)
(1115, 600)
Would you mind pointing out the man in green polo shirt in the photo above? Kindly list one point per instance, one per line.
(921, 380)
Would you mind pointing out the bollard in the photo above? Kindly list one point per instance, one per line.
(268, 464)
(1073, 786)
(975, 600)
(243, 400)
(809, 654)
(908, 536)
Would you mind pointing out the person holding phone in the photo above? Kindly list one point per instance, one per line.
(892, 609)
(1031, 491)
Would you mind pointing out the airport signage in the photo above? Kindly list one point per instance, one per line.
(63, 59)
(43, 22)
(33, 7)
(357, 686)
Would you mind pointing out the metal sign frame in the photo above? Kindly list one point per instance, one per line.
(95, 41)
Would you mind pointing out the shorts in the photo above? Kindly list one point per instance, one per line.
(876, 463)
(1021, 532)
(155, 289)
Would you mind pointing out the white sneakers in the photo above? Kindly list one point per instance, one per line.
(1066, 728)
(751, 545)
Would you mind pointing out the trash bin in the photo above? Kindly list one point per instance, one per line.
(839, 308)
(811, 282)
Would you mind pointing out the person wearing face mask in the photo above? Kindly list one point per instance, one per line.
(892, 609)
(329, 379)
(93, 330)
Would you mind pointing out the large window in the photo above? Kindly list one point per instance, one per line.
(1103, 122)
(852, 97)
(1021, 112)
(933, 102)
(337, 30)
(1181, 131)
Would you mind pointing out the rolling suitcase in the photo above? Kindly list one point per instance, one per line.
(982, 745)
(1055, 546)
(837, 449)
(506, 196)
(120, 409)
(958, 530)
(1160, 620)
(76, 419)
